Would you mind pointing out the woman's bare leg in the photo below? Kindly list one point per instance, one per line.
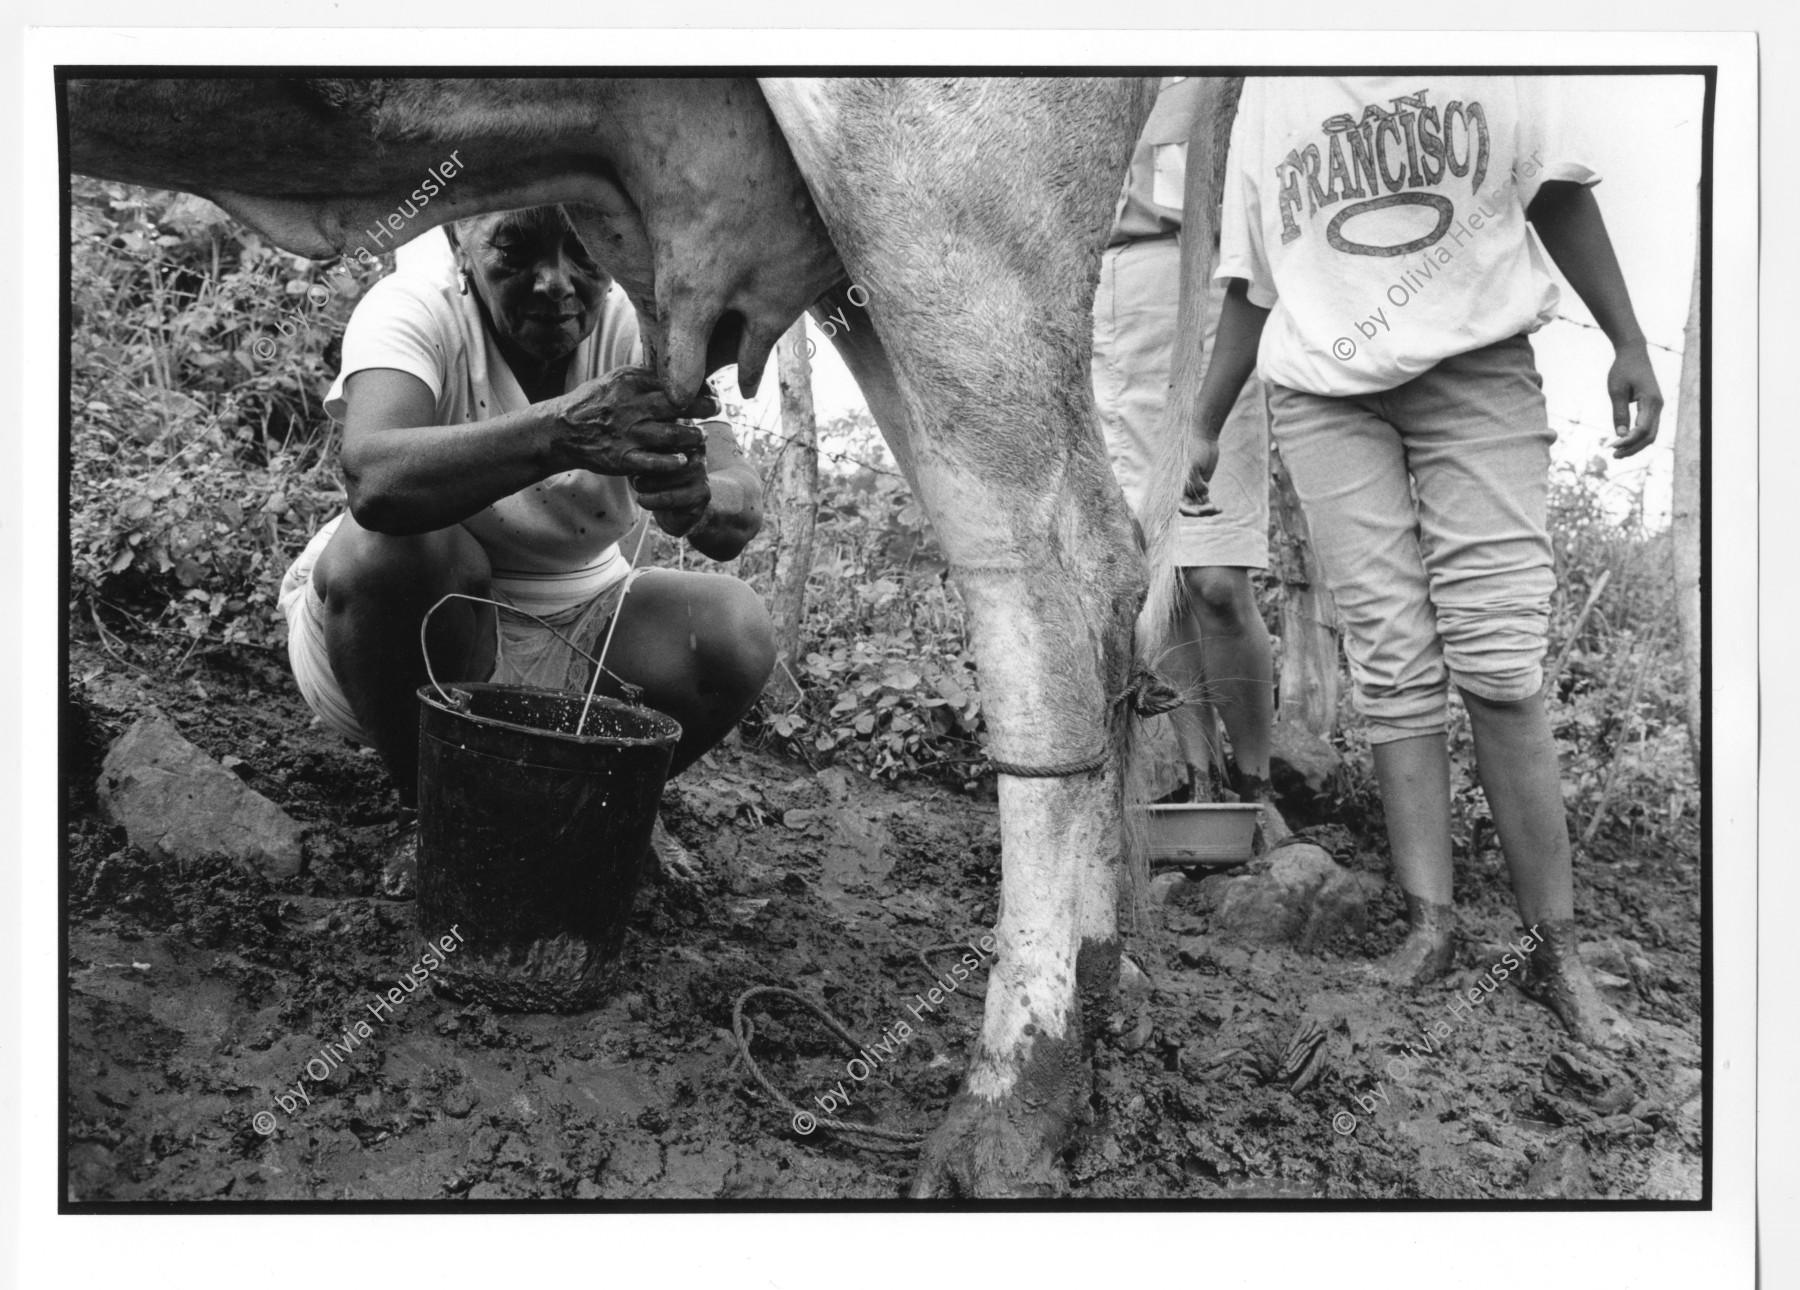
(1516, 757)
(1414, 775)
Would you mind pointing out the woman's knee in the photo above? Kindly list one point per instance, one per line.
(362, 566)
(740, 640)
(705, 633)
(1496, 656)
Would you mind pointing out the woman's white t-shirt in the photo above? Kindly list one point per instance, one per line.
(1381, 220)
(557, 541)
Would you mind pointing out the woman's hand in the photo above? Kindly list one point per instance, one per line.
(623, 424)
(1631, 380)
(675, 498)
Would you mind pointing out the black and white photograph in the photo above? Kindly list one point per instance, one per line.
(1100, 629)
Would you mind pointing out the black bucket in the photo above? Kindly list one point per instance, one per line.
(531, 837)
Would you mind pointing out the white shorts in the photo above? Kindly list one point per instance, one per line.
(540, 638)
(1134, 343)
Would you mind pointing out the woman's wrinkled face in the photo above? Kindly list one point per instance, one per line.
(542, 289)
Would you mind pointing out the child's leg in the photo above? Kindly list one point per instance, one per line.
(1349, 470)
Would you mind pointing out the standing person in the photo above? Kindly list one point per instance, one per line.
(1383, 283)
(498, 443)
(1224, 644)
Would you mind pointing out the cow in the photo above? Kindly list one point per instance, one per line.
(972, 211)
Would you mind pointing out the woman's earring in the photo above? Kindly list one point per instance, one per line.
(462, 281)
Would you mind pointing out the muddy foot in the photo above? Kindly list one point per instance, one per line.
(988, 1150)
(1272, 828)
(1560, 981)
(1429, 949)
(674, 862)
(400, 867)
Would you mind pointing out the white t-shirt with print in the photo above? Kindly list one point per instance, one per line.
(549, 542)
(1381, 220)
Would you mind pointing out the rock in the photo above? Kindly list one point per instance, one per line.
(1303, 768)
(1138, 1036)
(177, 803)
(1505, 1166)
(1193, 950)
(1165, 887)
(461, 1100)
(1210, 891)
(1304, 897)
(1133, 980)
(1562, 1173)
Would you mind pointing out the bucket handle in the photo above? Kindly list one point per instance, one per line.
(460, 701)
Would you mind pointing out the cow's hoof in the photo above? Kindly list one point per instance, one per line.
(994, 1150)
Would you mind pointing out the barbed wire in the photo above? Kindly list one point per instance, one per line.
(1586, 326)
(783, 440)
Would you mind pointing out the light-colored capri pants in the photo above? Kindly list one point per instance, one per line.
(1134, 345)
(1428, 510)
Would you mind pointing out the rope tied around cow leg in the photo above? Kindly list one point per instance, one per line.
(1149, 694)
(741, 1030)
(1059, 770)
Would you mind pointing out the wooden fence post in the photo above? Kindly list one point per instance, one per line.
(1310, 678)
(1684, 518)
(797, 499)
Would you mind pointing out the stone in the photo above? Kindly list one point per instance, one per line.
(1133, 980)
(1138, 1036)
(1303, 897)
(1193, 950)
(1562, 1174)
(177, 803)
(1165, 887)
(1304, 769)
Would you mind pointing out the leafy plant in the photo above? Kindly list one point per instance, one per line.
(887, 680)
(199, 449)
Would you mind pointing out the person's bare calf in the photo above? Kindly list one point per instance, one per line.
(1515, 754)
(1233, 641)
(1414, 775)
(700, 646)
(377, 588)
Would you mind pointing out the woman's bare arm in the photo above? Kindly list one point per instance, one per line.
(718, 506)
(405, 475)
(1568, 221)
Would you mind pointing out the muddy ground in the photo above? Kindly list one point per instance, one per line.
(197, 992)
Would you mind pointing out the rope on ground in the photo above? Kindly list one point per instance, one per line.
(924, 957)
(880, 1139)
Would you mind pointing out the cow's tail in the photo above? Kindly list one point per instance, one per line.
(1165, 604)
